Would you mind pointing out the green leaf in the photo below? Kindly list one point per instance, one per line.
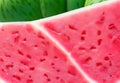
(52, 7)
(27, 10)
(90, 2)
(74, 4)
(19, 10)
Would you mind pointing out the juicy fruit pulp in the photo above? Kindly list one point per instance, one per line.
(26, 56)
(90, 37)
(93, 38)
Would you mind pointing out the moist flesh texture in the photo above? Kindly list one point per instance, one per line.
(27, 56)
(93, 38)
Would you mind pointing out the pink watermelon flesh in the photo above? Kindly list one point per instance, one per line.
(93, 38)
(26, 56)
(91, 35)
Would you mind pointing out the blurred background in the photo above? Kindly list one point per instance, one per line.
(28, 10)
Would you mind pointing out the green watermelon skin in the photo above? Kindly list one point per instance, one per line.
(28, 56)
(92, 36)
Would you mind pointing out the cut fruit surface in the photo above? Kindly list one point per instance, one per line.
(81, 46)
(93, 38)
(26, 56)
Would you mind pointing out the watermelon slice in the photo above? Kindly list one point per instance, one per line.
(80, 46)
(92, 36)
(27, 56)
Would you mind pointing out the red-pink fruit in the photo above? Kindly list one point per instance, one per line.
(27, 56)
(92, 35)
